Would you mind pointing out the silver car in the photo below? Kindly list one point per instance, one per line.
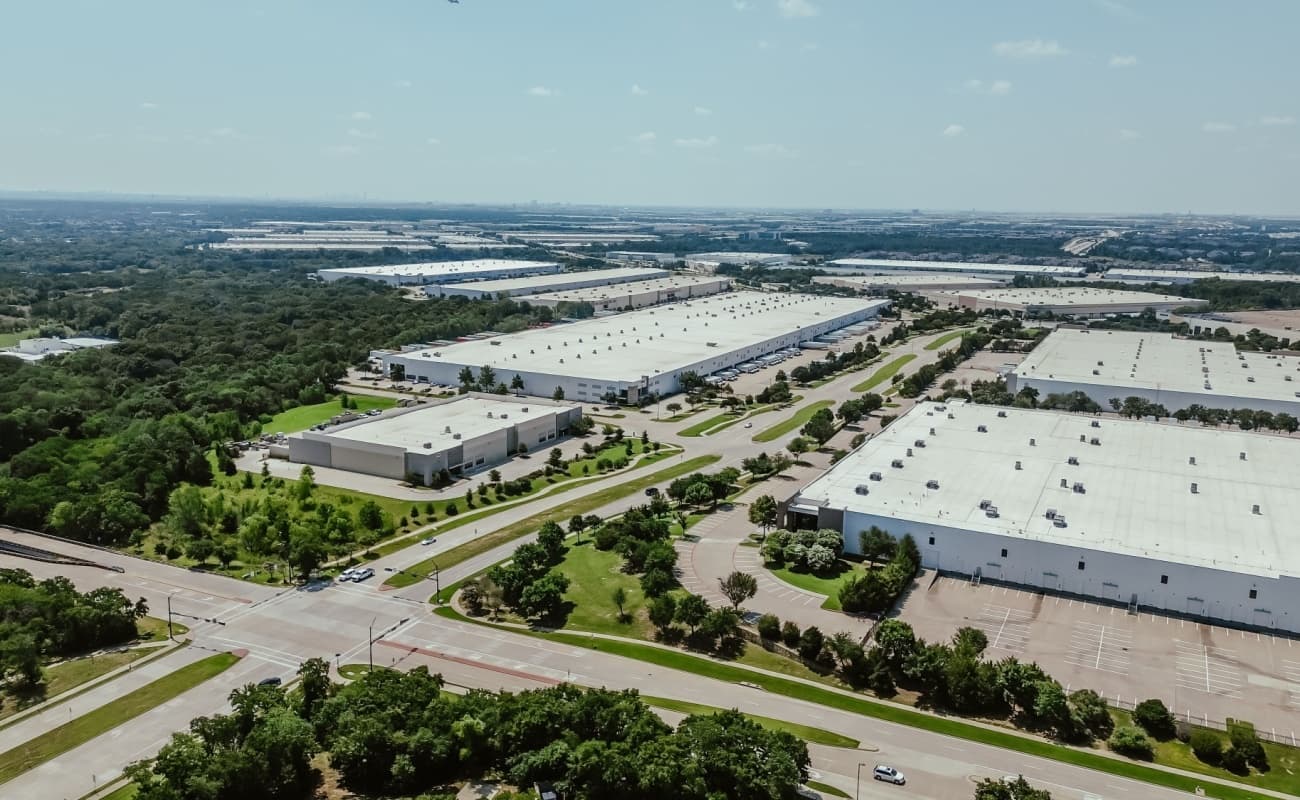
(888, 775)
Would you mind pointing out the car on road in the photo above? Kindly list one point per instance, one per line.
(749, 424)
(888, 775)
(346, 575)
(428, 540)
(271, 681)
(365, 573)
(652, 491)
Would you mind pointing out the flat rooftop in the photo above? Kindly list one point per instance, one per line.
(1067, 296)
(470, 417)
(1158, 361)
(889, 281)
(649, 341)
(724, 257)
(442, 269)
(1138, 498)
(543, 283)
(964, 267)
(592, 294)
(1184, 275)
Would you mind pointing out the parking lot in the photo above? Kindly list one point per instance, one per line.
(1203, 672)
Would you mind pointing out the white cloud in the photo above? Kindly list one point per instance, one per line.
(1120, 62)
(1129, 135)
(432, 141)
(954, 130)
(340, 150)
(147, 106)
(797, 8)
(638, 91)
(771, 150)
(1274, 121)
(357, 133)
(1030, 48)
(697, 143)
(1218, 127)
(360, 116)
(701, 111)
(644, 138)
(998, 87)
(541, 91)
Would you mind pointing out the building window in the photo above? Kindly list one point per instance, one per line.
(1164, 579)
(1253, 594)
(1080, 565)
(1004, 552)
(931, 540)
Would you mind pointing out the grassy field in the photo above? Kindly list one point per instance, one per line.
(792, 423)
(11, 339)
(805, 732)
(529, 524)
(947, 337)
(153, 629)
(699, 428)
(825, 789)
(127, 792)
(884, 373)
(303, 417)
(68, 675)
(828, 585)
(354, 671)
(593, 575)
(72, 734)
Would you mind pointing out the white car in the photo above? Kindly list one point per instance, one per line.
(428, 541)
(346, 575)
(749, 424)
(888, 775)
(365, 573)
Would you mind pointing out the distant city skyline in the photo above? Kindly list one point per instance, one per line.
(1102, 106)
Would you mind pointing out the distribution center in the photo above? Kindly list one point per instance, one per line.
(553, 282)
(1159, 368)
(434, 272)
(870, 266)
(1142, 514)
(641, 352)
(1071, 301)
(627, 296)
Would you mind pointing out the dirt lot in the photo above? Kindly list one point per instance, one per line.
(1287, 318)
(1201, 671)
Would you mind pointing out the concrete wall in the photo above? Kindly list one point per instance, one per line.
(1101, 395)
(1219, 594)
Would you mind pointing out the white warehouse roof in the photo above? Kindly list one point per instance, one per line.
(1065, 298)
(593, 294)
(1137, 498)
(441, 271)
(962, 267)
(1188, 276)
(556, 281)
(443, 424)
(1158, 361)
(886, 282)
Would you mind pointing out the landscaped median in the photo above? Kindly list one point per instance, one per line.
(889, 712)
(884, 373)
(806, 732)
(794, 422)
(947, 337)
(77, 732)
(509, 533)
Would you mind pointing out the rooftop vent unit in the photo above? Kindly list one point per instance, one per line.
(1207, 386)
(428, 445)
(983, 429)
(1195, 488)
(1242, 455)
(991, 512)
(1094, 441)
(1250, 379)
(505, 416)
(446, 429)
(1065, 484)
(1096, 372)
(1059, 521)
(1073, 460)
(1254, 509)
(1191, 460)
(1018, 465)
(986, 504)
(950, 416)
(1096, 424)
(896, 463)
(1033, 442)
(876, 476)
(489, 415)
(909, 452)
(1002, 413)
(932, 484)
(524, 409)
(1051, 513)
(919, 443)
(1083, 437)
(862, 489)
(1099, 364)
(932, 432)
(1077, 488)
(455, 436)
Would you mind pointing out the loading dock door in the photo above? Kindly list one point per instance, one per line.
(930, 557)
(1195, 606)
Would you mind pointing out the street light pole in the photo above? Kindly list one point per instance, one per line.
(169, 619)
(437, 584)
(370, 643)
(857, 786)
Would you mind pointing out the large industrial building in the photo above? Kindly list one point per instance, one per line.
(641, 352)
(1189, 520)
(907, 283)
(1070, 301)
(1176, 373)
(627, 296)
(466, 433)
(1181, 276)
(435, 272)
(553, 282)
(642, 255)
(709, 262)
(872, 266)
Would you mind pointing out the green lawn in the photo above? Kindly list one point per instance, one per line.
(884, 373)
(127, 791)
(825, 789)
(792, 423)
(529, 524)
(947, 337)
(891, 712)
(303, 417)
(699, 428)
(828, 585)
(153, 629)
(72, 734)
(593, 575)
(11, 339)
(68, 675)
(354, 671)
(805, 732)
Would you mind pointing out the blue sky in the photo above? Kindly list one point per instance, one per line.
(1067, 105)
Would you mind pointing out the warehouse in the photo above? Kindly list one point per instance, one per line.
(554, 282)
(871, 266)
(709, 262)
(641, 353)
(466, 433)
(626, 296)
(1189, 520)
(1071, 301)
(907, 283)
(1181, 276)
(1175, 373)
(435, 272)
(642, 255)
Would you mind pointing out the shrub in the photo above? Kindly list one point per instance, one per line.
(811, 643)
(1207, 746)
(769, 627)
(1132, 742)
(790, 634)
(451, 510)
(1154, 717)
(1244, 741)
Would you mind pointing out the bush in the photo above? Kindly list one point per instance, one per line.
(811, 643)
(769, 627)
(1154, 717)
(1207, 746)
(790, 634)
(450, 509)
(1132, 742)
(1244, 741)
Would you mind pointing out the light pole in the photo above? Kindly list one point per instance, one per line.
(169, 619)
(857, 786)
(370, 643)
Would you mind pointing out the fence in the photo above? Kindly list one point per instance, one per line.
(1202, 721)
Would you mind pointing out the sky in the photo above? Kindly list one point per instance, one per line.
(1070, 105)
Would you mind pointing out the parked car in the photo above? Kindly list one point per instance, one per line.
(347, 574)
(888, 775)
(428, 540)
(363, 574)
(272, 681)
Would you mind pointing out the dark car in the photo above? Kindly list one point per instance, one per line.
(272, 681)
(652, 491)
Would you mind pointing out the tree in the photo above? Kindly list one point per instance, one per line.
(821, 426)
(314, 686)
(544, 597)
(370, 515)
(896, 641)
(1207, 746)
(819, 558)
(517, 384)
(876, 544)
(558, 394)
(698, 494)
(738, 587)
(970, 641)
(769, 627)
(466, 378)
(306, 552)
(187, 512)
(663, 611)
(556, 458)
(691, 611)
(551, 538)
(763, 511)
(790, 634)
(1154, 717)
(673, 408)
(811, 643)
(1018, 789)
(657, 582)
(798, 446)
(1132, 742)
(619, 596)
(200, 549)
(1091, 713)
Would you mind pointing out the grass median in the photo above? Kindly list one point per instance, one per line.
(947, 337)
(792, 423)
(70, 735)
(509, 533)
(889, 712)
(884, 373)
(806, 732)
